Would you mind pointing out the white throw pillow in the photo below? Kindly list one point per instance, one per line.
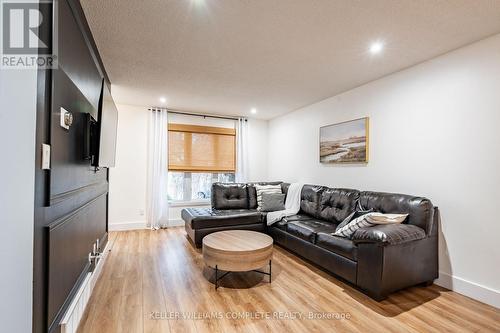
(349, 229)
(379, 218)
(265, 189)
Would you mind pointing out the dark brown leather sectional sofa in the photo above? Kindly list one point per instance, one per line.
(378, 260)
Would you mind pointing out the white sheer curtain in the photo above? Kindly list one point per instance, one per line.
(157, 177)
(241, 150)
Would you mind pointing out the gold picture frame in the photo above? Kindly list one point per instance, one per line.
(345, 142)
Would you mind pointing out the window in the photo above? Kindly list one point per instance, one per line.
(197, 157)
(201, 148)
(194, 186)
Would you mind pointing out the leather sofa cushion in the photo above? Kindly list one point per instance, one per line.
(392, 234)
(336, 204)
(229, 196)
(252, 193)
(297, 217)
(308, 229)
(339, 245)
(284, 221)
(420, 209)
(201, 218)
(310, 199)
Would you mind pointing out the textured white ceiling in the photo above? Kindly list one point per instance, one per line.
(227, 56)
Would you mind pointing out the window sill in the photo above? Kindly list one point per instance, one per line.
(189, 203)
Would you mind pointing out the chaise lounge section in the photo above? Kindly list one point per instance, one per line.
(378, 260)
(234, 206)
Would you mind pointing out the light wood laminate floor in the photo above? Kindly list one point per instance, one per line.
(153, 278)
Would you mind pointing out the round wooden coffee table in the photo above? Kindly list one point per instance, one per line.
(237, 251)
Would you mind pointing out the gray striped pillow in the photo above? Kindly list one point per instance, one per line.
(265, 189)
(349, 229)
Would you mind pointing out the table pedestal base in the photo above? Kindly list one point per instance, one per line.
(218, 278)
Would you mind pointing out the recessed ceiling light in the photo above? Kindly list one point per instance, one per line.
(163, 100)
(376, 47)
(253, 110)
(198, 3)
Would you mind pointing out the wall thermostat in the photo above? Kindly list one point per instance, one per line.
(66, 119)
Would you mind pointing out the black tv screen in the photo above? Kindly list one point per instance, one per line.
(105, 141)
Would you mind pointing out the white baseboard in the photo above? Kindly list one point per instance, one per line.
(122, 226)
(75, 311)
(470, 289)
(175, 222)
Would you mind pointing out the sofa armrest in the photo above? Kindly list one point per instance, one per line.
(391, 234)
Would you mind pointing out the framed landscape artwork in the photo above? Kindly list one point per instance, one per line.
(345, 142)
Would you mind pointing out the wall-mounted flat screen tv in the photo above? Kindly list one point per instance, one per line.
(105, 131)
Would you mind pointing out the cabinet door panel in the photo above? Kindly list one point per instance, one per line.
(70, 241)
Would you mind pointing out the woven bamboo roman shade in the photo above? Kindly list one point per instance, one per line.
(201, 148)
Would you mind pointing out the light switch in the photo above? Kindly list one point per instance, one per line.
(45, 157)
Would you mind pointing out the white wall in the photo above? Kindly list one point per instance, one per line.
(127, 180)
(17, 179)
(434, 131)
(257, 150)
(127, 199)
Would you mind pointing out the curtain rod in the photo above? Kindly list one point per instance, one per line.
(202, 115)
